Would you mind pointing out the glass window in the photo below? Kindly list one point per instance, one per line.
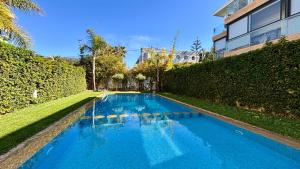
(178, 57)
(145, 56)
(295, 6)
(193, 58)
(265, 16)
(185, 57)
(238, 28)
(220, 44)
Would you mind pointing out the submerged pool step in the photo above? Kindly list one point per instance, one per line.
(90, 117)
(113, 116)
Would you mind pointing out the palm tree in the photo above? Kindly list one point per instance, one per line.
(158, 60)
(9, 30)
(120, 51)
(96, 44)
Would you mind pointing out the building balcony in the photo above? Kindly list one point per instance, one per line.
(219, 29)
(231, 7)
(289, 27)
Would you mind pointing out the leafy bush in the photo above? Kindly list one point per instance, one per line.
(22, 72)
(267, 79)
(140, 77)
(118, 77)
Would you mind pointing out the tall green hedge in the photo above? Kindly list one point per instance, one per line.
(267, 79)
(22, 72)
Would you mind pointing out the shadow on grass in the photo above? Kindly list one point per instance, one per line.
(13, 139)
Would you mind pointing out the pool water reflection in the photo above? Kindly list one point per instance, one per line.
(143, 131)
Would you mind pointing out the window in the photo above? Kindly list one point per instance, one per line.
(146, 56)
(220, 44)
(265, 16)
(178, 57)
(185, 57)
(295, 6)
(193, 58)
(238, 28)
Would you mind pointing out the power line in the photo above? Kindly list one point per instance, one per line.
(136, 49)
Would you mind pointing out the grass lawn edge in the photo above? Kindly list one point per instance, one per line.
(18, 154)
(31, 126)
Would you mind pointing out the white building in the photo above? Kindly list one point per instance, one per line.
(180, 56)
(186, 57)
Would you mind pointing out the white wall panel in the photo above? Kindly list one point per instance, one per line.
(238, 28)
(295, 6)
(220, 44)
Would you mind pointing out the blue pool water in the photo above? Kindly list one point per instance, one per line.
(144, 131)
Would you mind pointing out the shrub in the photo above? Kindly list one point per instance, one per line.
(22, 72)
(267, 79)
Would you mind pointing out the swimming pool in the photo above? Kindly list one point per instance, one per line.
(145, 131)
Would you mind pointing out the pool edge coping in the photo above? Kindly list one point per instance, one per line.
(16, 156)
(264, 132)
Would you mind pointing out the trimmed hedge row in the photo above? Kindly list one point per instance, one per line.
(22, 72)
(267, 79)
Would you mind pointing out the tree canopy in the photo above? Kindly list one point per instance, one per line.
(9, 29)
(101, 60)
(197, 48)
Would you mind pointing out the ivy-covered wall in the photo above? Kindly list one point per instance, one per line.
(22, 72)
(267, 79)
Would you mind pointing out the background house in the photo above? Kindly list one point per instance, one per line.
(180, 56)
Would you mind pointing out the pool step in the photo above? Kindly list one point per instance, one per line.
(149, 115)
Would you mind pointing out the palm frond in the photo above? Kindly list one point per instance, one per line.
(6, 17)
(19, 37)
(84, 48)
(25, 5)
(5, 13)
(9, 30)
(95, 42)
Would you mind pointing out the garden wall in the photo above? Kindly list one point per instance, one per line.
(267, 79)
(22, 72)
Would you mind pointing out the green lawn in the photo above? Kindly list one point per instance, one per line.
(284, 126)
(22, 124)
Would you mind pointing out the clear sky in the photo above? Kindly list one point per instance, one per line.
(131, 23)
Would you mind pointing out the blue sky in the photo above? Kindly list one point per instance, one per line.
(131, 23)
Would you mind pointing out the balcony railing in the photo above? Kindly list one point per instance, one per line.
(219, 29)
(233, 7)
(240, 42)
(265, 34)
(291, 25)
(286, 27)
(236, 5)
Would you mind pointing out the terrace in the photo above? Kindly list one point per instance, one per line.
(265, 22)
